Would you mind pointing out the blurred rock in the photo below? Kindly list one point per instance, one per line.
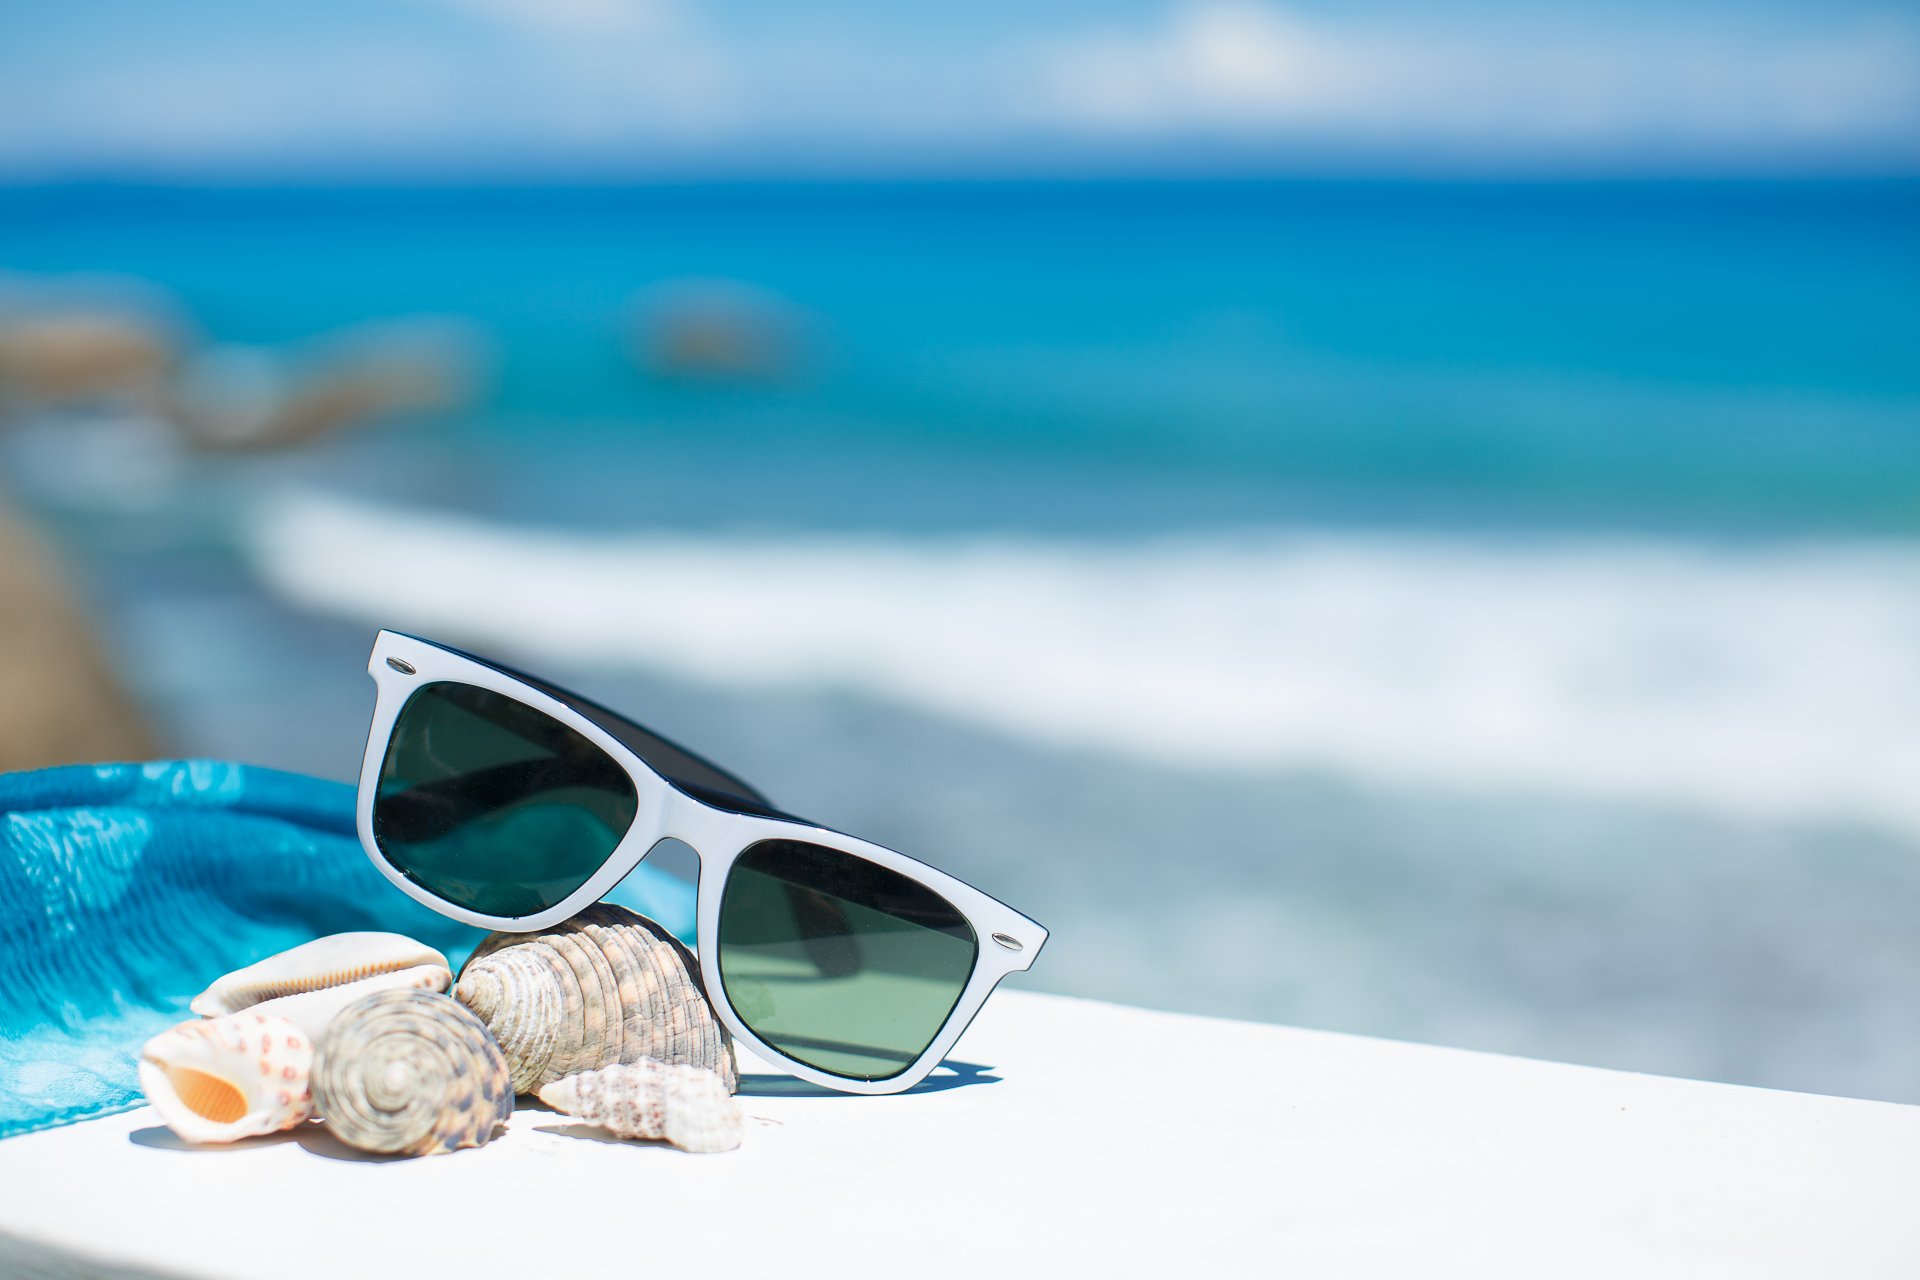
(55, 359)
(60, 702)
(715, 331)
(251, 398)
(74, 346)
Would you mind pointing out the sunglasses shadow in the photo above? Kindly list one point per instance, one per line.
(950, 1074)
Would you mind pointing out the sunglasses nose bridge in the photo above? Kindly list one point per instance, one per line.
(693, 824)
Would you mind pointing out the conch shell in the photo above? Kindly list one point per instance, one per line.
(221, 1079)
(410, 1073)
(688, 1106)
(605, 987)
(312, 982)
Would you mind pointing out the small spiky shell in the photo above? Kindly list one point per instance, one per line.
(688, 1106)
(312, 982)
(222, 1079)
(410, 1073)
(607, 986)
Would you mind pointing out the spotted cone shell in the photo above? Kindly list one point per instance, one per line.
(606, 987)
(410, 1073)
(222, 1079)
(687, 1106)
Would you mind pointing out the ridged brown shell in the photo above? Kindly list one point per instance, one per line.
(410, 1073)
(606, 987)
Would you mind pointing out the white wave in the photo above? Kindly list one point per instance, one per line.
(1777, 682)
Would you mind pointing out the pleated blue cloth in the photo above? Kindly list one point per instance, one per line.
(125, 889)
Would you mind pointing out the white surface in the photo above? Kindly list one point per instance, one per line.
(1113, 1141)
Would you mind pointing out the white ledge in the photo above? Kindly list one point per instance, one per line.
(1109, 1141)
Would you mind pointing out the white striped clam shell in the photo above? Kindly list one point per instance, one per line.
(222, 1079)
(607, 986)
(312, 982)
(410, 1073)
(689, 1107)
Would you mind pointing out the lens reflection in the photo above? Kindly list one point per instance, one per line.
(494, 806)
(839, 962)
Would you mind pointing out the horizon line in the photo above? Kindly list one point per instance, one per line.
(385, 178)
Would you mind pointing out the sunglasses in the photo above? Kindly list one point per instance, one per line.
(501, 800)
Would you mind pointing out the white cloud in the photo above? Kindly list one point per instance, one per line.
(1210, 63)
(527, 83)
(1238, 67)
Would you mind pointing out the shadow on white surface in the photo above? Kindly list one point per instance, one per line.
(318, 1140)
(594, 1134)
(161, 1138)
(313, 1138)
(950, 1074)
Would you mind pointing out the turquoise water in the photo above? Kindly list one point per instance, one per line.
(1473, 613)
(1729, 355)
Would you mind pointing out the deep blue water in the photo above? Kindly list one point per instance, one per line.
(1728, 355)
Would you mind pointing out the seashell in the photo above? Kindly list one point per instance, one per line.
(312, 982)
(221, 1079)
(690, 1107)
(606, 987)
(313, 1011)
(410, 1073)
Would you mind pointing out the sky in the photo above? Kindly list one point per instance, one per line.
(452, 88)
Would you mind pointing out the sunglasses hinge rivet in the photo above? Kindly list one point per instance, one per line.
(401, 665)
(1008, 941)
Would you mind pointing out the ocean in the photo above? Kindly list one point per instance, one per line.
(1475, 613)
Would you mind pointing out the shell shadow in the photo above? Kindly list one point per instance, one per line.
(160, 1138)
(594, 1134)
(318, 1140)
(950, 1074)
(529, 1105)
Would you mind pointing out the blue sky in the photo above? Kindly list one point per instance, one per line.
(582, 87)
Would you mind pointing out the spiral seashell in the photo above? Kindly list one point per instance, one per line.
(222, 1079)
(688, 1106)
(606, 987)
(312, 982)
(410, 1073)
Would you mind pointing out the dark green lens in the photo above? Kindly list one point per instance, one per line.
(494, 806)
(838, 962)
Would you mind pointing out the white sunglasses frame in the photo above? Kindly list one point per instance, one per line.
(1005, 941)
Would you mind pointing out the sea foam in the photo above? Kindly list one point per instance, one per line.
(1777, 681)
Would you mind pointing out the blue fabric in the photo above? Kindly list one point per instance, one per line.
(125, 889)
